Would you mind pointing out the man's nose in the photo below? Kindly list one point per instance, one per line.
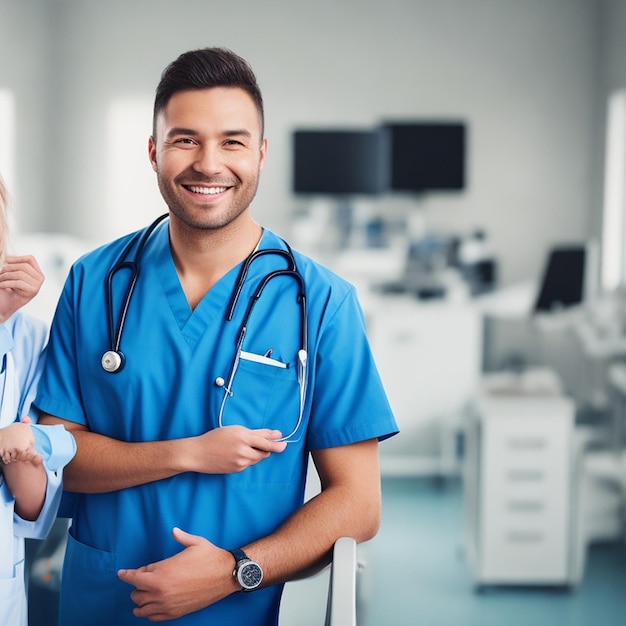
(208, 160)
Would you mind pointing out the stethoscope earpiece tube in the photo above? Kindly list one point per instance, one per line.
(112, 360)
(243, 273)
(301, 357)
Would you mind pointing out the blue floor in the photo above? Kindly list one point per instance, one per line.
(418, 573)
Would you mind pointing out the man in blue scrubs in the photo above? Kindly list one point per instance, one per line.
(175, 488)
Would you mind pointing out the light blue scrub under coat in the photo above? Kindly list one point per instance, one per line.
(22, 340)
(167, 390)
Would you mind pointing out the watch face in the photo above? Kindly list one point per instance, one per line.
(250, 575)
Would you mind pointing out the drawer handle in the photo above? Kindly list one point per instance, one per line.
(525, 537)
(526, 443)
(525, 475)
(525, 506)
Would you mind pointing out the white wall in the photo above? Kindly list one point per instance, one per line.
(524, 74)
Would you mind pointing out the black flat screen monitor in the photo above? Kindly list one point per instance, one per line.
(340, 162)
(563, 279)
(427, 155)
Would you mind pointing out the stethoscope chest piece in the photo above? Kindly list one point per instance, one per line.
(112, 361)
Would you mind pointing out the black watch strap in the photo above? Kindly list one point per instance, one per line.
(239, 555)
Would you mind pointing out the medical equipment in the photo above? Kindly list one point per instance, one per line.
(113, 359)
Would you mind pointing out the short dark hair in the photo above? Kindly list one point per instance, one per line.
(203, 69)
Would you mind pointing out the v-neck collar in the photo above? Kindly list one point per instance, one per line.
(192, 323)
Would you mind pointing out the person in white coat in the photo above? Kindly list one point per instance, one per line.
(31, 457)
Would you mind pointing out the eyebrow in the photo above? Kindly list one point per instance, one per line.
(238, 132)
(181, 131)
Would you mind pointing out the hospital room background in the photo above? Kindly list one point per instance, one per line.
(491, 271)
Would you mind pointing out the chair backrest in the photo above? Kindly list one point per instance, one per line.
(328, 597)
(341, 608)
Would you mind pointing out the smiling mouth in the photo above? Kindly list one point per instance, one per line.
(206, 191)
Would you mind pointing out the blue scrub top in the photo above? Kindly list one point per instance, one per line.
(167, 390)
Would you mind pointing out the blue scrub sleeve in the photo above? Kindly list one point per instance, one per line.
(349, 403)
(57, 448)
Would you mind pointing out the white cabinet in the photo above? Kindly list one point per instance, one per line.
(518, 483)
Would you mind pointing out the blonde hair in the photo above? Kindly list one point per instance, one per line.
(4, 203)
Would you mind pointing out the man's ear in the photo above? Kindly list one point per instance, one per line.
(152, 152)
(263, 154)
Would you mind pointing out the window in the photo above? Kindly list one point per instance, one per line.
(133, 198)
(7, 139)
(614, 216)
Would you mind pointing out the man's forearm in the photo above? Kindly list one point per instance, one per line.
(103, 464)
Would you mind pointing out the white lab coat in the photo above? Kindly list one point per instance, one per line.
(22, 340)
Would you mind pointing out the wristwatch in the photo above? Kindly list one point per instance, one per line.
(247, 573)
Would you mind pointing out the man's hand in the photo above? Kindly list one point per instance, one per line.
(20, 281)
(199, 575)
(232, 449)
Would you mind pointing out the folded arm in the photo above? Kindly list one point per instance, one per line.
(103, 464)
(201, 574)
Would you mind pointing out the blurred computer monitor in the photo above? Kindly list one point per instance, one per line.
(563, 283)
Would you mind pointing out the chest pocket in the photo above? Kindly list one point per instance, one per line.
(265, 394)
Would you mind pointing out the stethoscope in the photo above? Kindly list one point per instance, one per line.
(113, 359)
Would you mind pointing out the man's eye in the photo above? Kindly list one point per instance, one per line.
(233, 142)
(182, 141)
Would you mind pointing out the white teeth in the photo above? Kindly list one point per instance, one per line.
(208, 190)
